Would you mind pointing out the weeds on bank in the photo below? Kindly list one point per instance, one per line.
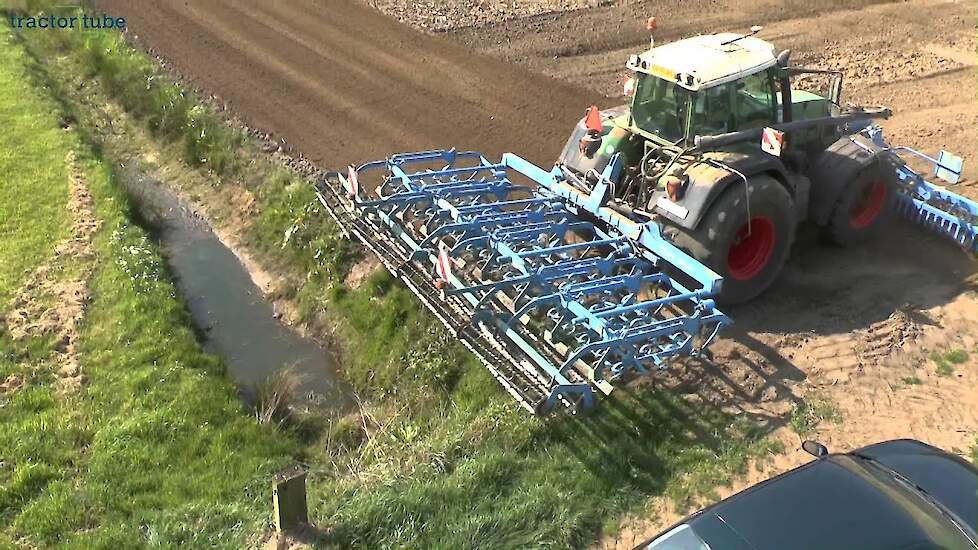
(945, 362)
(808, 415)
(169, 112)
(274, 396)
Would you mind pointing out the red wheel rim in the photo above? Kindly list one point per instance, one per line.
(751, 249)
(868, 206)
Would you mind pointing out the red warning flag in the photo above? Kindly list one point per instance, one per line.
(352, 184)
(593, 119)
(444, 266)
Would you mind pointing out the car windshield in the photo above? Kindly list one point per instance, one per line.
(660, 107)
(940, 528)
(680, 538)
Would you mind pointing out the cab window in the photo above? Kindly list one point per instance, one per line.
(755, 101)
(660, 107)
(713, 111)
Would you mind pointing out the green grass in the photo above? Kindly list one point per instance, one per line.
(441, 457)
(503, 477)
(944, 362)
(808, 415)
(911, 380)
(39, 207)
(154, 449)
(956, 356)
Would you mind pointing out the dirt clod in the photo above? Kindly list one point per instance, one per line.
(361, 270)
(11, 384)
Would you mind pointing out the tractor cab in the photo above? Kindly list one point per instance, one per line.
(701, 86)
(718, 84)
(706, 85)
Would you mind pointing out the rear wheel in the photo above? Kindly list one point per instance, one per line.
(747, 250)
(860, 208)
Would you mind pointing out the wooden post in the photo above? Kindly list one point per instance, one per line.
(289, 498)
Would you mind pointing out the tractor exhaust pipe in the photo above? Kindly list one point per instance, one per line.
(712, 142)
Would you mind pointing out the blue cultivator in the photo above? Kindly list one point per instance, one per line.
(554, 305)
(930, 205)
(556, 292)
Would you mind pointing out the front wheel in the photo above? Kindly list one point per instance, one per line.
(747, 250)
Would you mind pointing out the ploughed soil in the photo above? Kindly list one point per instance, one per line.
(343, 84)
(917, 57)
(862, 329)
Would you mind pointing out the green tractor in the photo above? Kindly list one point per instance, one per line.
(719, 150)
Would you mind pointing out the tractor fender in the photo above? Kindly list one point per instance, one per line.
(708, 180)
(835, 169)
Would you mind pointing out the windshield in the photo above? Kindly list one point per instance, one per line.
(925, 513)
(680, 538)
(661, 107)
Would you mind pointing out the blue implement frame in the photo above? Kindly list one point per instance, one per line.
(928, 204)
(577, 306)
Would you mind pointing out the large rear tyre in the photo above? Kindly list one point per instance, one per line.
(860, 209)
(748, 251)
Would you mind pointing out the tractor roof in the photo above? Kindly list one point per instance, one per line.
(705, 61)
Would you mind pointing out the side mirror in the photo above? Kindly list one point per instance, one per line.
(783, 58)
(835, 90)
(814, 448)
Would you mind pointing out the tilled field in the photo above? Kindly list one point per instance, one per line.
(343, 84)
(917, 57)
(446, 15)
(858, 328)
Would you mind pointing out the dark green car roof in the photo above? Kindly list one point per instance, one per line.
(839, 502)
(948, 478)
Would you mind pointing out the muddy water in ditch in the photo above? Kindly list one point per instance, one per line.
(229, 310)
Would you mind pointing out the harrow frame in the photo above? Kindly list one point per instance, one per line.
(925, 203)
(554, 305)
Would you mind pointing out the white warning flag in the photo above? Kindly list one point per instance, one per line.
(771, 141)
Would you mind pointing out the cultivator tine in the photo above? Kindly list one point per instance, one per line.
(928, 204)
(553, 304)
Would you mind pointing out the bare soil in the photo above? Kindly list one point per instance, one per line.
(54, 297)
(445, 15)
(342, 83)
(917, 57)
(853, 327)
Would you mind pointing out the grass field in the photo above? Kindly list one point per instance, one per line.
(439, 456)
(153, 449)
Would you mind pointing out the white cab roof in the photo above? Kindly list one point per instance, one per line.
(705, 61)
